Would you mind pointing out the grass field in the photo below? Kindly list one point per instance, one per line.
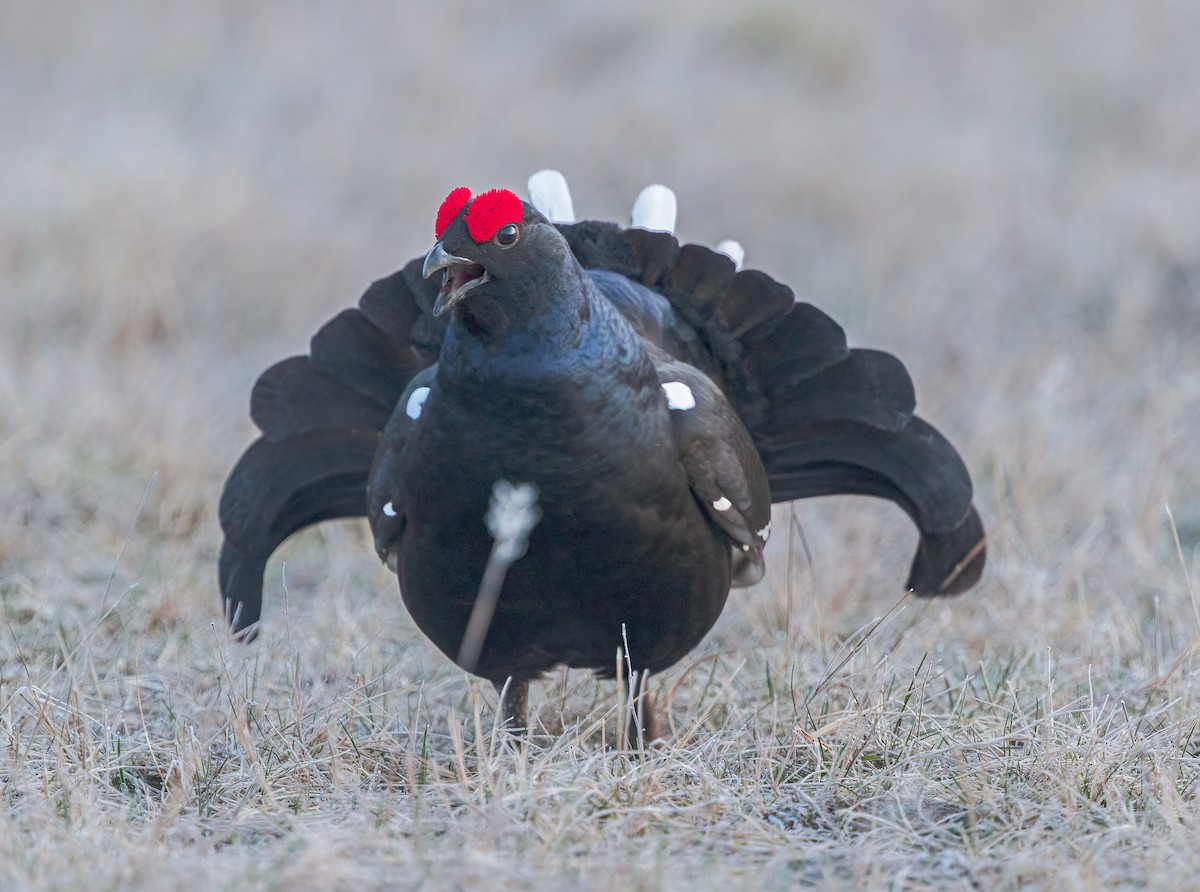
(1004, 194)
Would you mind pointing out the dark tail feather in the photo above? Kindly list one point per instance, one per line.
(241, 577)
(754, 304)
(828, 420)
(277, 488)
(805, 342)
(321, 416)
(917, 461)
(869, 387)
(352, 349)
(359, 363)
(916, 468)
(700, 279)
(950, 563)
(295, 397)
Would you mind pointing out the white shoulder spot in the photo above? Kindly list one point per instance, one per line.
(765, 532)
(389, 509)
(722, 504)
(415, 402)
(679, 395)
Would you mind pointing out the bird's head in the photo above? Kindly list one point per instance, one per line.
(497, 255)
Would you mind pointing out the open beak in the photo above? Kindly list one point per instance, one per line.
(461, 275)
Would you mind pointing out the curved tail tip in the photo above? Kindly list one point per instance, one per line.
(949, 563)
(241, 591)
(655, 209)
(548, 193)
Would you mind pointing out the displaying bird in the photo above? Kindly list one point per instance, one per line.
(658, 398)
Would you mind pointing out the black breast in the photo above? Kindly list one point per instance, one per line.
(622, 551)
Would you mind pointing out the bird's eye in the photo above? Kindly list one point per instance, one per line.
(506, 236)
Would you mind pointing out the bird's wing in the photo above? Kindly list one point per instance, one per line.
(722, 464)
(385, 483)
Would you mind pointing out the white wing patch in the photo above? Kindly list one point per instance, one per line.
(415, 403)
(765, 532)
(654, 209)
(389, 509)
(679, 395)
(548, 193)
(722, 504)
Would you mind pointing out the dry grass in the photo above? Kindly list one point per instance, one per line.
(1006, 195)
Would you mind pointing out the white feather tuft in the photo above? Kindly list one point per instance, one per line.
(416, 402)
(655, 209)
(679, 396)
(734, 250)
(548, 193)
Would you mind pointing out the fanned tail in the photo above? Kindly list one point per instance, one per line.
(320, 416)
(826, 418)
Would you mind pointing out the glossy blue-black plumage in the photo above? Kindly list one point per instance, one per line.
(551, 372)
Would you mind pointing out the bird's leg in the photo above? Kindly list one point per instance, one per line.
(643, 728)
(514, 704)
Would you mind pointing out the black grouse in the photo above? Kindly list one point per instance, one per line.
(658, 398)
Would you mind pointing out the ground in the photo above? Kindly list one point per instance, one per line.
(1006, 195)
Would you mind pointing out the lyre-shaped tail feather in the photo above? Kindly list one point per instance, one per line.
(915, 467)
(827, 419)
(276, 489)
(321, 416)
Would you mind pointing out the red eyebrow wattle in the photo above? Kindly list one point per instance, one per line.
(451, 205)
(491, 210)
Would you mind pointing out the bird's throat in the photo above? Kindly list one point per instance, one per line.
(458, 280)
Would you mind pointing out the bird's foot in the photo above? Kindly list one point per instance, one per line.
(514, 705)
(642, 723)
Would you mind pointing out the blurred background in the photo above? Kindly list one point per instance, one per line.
(1004, 194)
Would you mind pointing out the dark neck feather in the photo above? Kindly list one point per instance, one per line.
(542, 316)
